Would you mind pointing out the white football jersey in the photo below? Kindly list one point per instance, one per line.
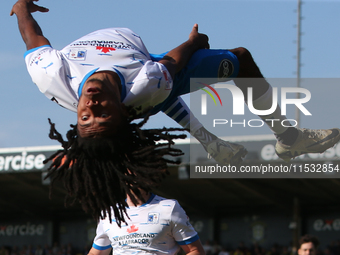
(60, 75)
(157, 227)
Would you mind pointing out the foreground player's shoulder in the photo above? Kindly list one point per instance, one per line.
(170, 205)
(165, 201)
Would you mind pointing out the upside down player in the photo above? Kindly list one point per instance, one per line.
(109, 85)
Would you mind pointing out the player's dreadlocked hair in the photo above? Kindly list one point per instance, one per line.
(100, 172)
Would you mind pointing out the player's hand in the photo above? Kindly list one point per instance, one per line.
(29, 4)
(201, 41)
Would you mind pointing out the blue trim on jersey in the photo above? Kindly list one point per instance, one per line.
(189, 241)
(122, 81)
(81, 85)
(34, 49)
(157, 57)
(101, 248)
(149, 200)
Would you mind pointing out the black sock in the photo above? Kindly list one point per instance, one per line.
(288, 137)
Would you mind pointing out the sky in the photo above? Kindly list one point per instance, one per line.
(266, 28)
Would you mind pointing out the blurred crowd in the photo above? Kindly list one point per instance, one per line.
(55, 249)
(210, 247)
(214, 248)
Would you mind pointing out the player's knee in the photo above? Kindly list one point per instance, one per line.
(247, 65)
(243, 55)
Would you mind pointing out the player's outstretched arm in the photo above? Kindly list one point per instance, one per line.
(177, 58)
(30, 30)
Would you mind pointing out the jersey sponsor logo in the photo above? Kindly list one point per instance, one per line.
(135, 238)
(153, 218)
(225, 69)
(105, 49)
(77, 54)
(105, 44)
(132, 229)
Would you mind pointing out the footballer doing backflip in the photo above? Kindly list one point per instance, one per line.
(109, 78)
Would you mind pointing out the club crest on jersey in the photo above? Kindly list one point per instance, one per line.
(77, 54)
(153, 218)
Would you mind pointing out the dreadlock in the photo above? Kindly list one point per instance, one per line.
(100, 172)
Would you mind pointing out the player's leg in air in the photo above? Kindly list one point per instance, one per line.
(291, 142)
(223, 152)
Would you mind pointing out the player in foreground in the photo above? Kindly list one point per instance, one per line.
(109, 78)
(157, 226)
